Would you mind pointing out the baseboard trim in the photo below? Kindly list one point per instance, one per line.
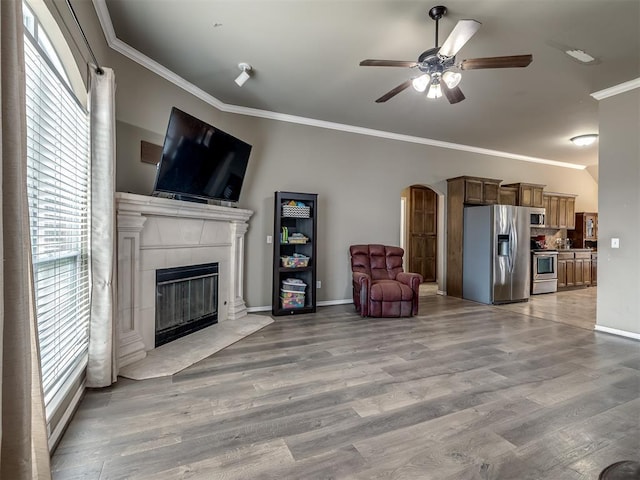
(328, 303)
(615, 331)
(325, 303)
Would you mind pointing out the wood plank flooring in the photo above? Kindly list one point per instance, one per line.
(462, 392)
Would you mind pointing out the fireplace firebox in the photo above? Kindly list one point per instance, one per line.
(186, 301)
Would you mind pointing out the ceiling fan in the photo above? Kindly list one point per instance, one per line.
(437, 66)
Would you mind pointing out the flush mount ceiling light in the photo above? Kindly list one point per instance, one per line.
(244, 75)
(585, 140)
(580, 55)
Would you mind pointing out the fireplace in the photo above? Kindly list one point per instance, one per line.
(155, 234)
(186, 301)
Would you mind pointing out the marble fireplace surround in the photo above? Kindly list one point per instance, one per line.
(155, 233)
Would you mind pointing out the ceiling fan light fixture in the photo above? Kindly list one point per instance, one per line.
(421, 83)
(585, 140)
(452, 79)
(435, 91)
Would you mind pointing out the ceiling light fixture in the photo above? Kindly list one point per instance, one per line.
(244, 75)
(585, 140)
(421, 83)
(580, 55)
(435, 91)
(452, 79)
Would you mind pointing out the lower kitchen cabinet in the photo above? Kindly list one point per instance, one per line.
(574, 269)
(594, 268)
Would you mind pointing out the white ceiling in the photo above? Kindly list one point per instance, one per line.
(305, 56)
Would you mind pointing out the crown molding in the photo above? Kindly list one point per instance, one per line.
(121, 47)
(616, 89)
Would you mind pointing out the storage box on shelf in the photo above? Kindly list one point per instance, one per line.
(294, 255)
(296, 260)
(292, 293)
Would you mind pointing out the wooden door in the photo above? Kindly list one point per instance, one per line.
(423, 224)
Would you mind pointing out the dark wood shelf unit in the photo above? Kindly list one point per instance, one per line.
(295, 224)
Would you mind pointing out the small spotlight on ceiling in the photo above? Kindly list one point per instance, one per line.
(585, 140)
(244, 75)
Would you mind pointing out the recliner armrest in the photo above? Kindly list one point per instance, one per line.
(361, 286)
(413, 280)
(361, 279)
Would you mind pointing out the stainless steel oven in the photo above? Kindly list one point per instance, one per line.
(537, 216)
(544, 271)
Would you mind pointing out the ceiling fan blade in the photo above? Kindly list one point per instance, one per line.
(454, 95)
(496, 62)
(387, 63)
(392, 93)
(462, 32)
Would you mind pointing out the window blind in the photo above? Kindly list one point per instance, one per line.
(58, 196)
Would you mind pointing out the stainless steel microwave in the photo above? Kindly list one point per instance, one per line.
(537, 217)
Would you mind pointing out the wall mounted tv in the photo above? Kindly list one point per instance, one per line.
(200, 162)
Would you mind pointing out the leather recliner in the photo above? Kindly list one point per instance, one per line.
(381, 288)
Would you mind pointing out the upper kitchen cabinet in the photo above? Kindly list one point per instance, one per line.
(475, 190)
(527, 194)
(585, 234)
(559, 210)
(508, 195)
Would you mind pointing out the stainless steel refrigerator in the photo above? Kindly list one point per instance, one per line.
(496, 258)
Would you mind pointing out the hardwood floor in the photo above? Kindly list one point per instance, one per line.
(573, 307)
(462, 392)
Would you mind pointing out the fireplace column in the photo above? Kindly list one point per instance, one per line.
(131, 346)
(237, 307)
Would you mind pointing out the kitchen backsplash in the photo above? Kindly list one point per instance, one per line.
(552, 235)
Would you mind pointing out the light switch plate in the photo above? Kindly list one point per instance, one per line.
(615, 243)
(269, 239)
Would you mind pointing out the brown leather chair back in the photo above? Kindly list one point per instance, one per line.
(380, 262)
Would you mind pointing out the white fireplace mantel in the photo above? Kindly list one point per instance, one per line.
(156, 233)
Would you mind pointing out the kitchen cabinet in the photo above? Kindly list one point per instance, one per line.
(463, 191)
(594, 268)
(508, 195)
(585, 234)
(574, 269)
(478, 191)
(559, 210)
(528, 194)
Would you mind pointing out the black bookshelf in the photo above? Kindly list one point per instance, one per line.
(302, 220)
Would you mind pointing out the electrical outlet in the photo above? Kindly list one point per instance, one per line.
(615, 243)
(318, 284)
(269, 238)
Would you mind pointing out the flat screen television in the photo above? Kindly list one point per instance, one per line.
(200, 162)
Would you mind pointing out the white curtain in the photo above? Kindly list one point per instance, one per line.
(102, 366)
(24, 453)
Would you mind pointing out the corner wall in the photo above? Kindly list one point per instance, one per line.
(619, 214)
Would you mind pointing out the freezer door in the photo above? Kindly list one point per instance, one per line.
(502, 246)
(521, 271)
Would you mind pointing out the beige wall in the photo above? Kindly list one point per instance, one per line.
(359, 178)
(619, 215)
